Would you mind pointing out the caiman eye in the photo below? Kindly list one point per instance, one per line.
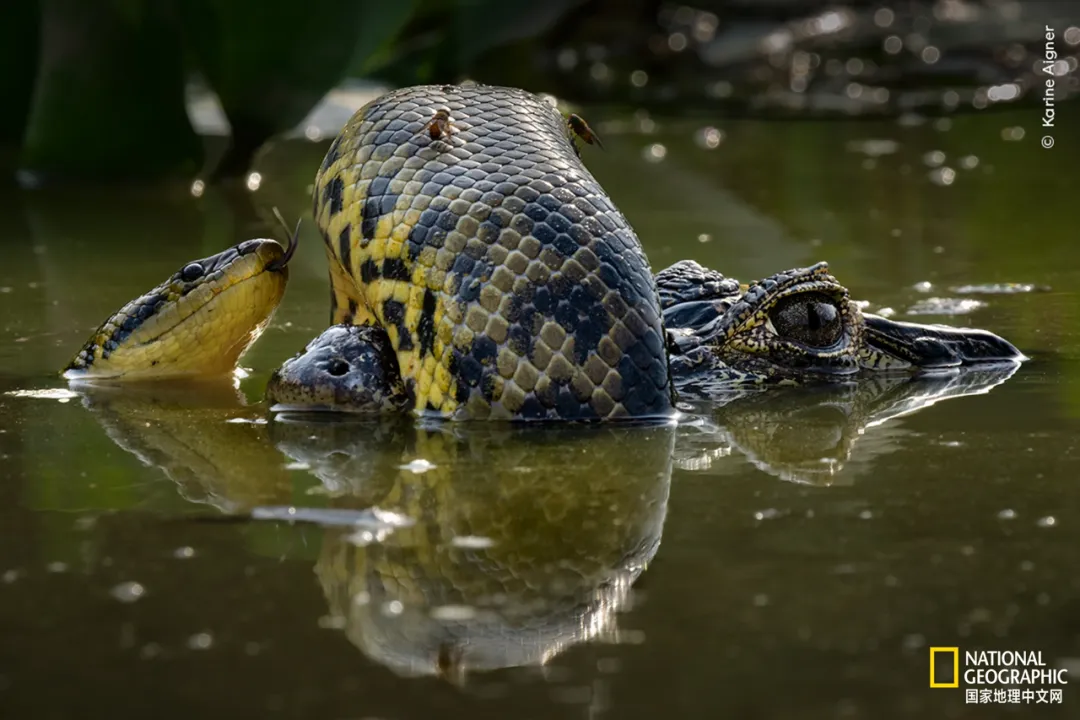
(191, 272)
(809, 318)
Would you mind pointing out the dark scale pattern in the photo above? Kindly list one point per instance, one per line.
(509, 283)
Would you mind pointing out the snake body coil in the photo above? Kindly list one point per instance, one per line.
(460, 220)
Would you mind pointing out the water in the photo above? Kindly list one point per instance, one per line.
(792, 554)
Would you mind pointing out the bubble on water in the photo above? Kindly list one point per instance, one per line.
(943, 124)
(654, 153)
(704, 238)
(1007, 514)
(254, 181)
(418, 466)
(453, 613)
(767, 514)
(883, 17)
(361, 598)
(1045, 522)
(10, 576)
(930, 55)
(1012, 134)
(201, 641)
(639, 78)
(709, 138)
(923, 287)
(185, 552)
(969, 162)
(1072, 36)
(197, 188)
(393, 608)
(943, 176)
(866, 515)
(893, 44)
(472, 542)
(57, 567)
(128, 592)
(297, 466)
(313, 133)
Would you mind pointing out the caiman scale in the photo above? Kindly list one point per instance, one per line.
(478, 270)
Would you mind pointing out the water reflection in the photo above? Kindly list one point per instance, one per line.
(525, 541)
(807, 435)
(461, 548)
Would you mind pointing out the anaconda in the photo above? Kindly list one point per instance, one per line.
(479, 270)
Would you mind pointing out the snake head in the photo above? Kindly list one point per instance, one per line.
(199, 321)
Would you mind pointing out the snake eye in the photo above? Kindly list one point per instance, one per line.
(248, 246)
(809, 318)
(191, 272)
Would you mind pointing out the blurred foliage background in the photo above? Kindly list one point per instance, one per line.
(106, 89)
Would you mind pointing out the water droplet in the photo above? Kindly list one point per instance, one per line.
(128, 592)
(866, 515)
(394, 607)
(10, 576)
(704, 238)
(1045, 522)
(709, 138)
(57, 567)
(254, 180)
(924, 286)
(1007, 514)
(654, 153)
(201, 641)
(639, 78)
(893, 44)
(883, 17)
(934, 158)
(969, 162)
(1012, 134)
(767, 514)
(943, 176)
(930, 55)
(197, 188)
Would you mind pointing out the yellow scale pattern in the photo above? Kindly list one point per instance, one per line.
(509, 284)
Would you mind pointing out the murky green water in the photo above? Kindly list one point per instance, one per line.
(803, 549)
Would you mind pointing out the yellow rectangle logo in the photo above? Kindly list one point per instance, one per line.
(955, 667)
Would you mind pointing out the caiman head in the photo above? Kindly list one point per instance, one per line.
(801, 325)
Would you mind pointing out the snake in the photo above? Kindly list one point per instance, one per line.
(478, 270)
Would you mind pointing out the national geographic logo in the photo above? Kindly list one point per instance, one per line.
(998, 676)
